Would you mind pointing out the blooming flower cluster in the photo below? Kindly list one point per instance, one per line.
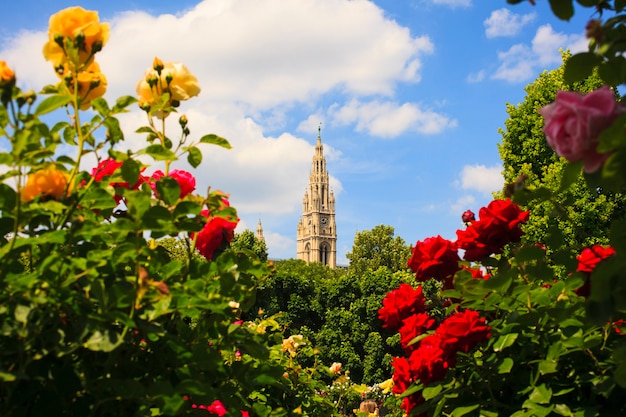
(499, 224)
(164, 86)
(431, 345)
(427, 359)
(75, 35)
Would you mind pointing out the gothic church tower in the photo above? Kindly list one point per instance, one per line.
(317, 231)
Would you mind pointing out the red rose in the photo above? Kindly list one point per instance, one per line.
(435, 257)
(217, 233)
(412, 401)
(414, 326)
(499, 224)
(588, 259)
(400, 304)
(217, 408)
(185, 180)
(429, 362)
(462, 331)
(109, 167)
(468, 216)
(477, 273)
(401, 375)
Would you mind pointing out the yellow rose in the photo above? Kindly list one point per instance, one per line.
(76, 29)
(169, 77)
(48, 182)
(92, 84)
(7, 76)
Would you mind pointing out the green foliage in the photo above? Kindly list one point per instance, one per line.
(337, 311)
(246, 240)
(378, 247)
(551, 351)
(108, 309)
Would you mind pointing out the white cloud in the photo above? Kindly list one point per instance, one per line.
(257, 61)
(465, 202)
(476, 77)
(481, 178)
(454, 3)
(503, 22)
(264, 53)
(522, 62)
(390, 119)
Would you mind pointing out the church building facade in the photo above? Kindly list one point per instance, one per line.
(317, 231)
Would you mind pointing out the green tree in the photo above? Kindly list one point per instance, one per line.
(378, 247)
(247, 240)
(525, 152)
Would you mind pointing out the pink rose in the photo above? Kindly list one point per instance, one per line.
(574, 122)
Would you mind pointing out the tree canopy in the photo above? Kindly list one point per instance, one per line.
(378, 247)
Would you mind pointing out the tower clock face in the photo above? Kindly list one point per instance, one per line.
(324, 220)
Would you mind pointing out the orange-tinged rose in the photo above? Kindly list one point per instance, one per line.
(173, 78)
(78, 29)
(7, 76)
(92, 84)
(48, 182)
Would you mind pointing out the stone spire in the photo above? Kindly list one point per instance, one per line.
(317, 231)
(259, 232)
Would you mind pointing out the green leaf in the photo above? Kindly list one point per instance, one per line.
(541, 394)
(52, 103)
(547, 367)
(5, 376)
(8, 198)
(612, 72)
(122, 103)
(168, 190)
(101, 106)
(563, 9)
(21, 313)
(194, 156)
(130, 171)
(215, 140)
(579, 66)
(431, 392)
(505, 341)
(620, 375)
(571, 173)
(506, 366)
(158, 152)
(461, 411)
(103, 342)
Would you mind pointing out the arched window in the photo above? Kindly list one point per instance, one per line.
(307, 252)
(324, 251)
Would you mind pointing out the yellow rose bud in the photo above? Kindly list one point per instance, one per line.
(7, 76)
(45, 183)
(75, 28)
(157, 65)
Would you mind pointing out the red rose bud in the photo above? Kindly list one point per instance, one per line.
(468, 216)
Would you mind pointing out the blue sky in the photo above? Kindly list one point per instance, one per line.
(410, 95)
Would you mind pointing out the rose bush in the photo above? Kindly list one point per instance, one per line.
(99, 316)
(532, 329)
